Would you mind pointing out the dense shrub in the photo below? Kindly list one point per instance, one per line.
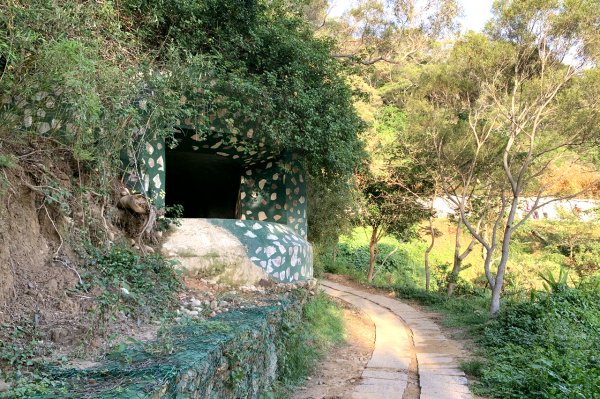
(139, 286)
(546, 348)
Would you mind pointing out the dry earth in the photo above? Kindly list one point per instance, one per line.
(341, 371)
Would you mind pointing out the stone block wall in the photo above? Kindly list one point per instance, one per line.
(234, 355)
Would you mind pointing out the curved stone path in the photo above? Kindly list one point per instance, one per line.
(404, 335)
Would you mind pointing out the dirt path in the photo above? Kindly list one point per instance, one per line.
(341, 371)
(412, 359)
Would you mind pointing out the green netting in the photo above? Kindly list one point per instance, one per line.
(183, 362)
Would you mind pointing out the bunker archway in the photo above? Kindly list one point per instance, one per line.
(206, 185)
(244, 203)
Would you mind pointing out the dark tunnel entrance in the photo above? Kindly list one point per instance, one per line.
(206, 185)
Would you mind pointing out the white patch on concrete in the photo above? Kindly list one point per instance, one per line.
(203, 249)
(269, 251)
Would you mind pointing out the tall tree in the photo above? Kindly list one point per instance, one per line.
(383, 37)
(513, 95)
(391, 204)
(393, 31)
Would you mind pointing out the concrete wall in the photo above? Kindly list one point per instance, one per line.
(273, 188)
(276, 192)
(273, 205)
(239, 252)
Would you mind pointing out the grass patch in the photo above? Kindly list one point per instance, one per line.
(465, 311)
(302, 348)
(473, 368)
(396, 263)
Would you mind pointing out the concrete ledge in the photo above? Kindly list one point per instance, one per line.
(239, 252)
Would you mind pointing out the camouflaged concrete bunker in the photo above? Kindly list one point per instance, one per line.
(228, 178)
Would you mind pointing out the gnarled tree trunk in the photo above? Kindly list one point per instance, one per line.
(427, 252)
(373, 252)
(458, 258)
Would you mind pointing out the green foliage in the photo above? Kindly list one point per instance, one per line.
(324, 319)
(389, 207)
(255, 59)
(129, 283)
(303, 345)
(7, 161)
(268, 66)
(400, 264)
(574, 244)
(171, 217)
(390, 122)
(586, 259)
(473, 367)
(331, 210)
(545, 348)
(464, 311)
(22, 357)
(397, 262)
(554, 284)
(442, 275)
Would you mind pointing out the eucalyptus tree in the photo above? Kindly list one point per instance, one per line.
(391, 186)
(513, 99)
(427, 123)
(393, 31)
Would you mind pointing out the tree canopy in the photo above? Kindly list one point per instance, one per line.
(486, 119)
(256, 58)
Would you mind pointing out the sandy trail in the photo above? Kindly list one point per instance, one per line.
(411, 357)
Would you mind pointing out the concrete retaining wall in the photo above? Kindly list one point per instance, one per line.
(234, 355)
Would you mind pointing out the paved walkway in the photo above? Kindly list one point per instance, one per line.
(404, 335)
